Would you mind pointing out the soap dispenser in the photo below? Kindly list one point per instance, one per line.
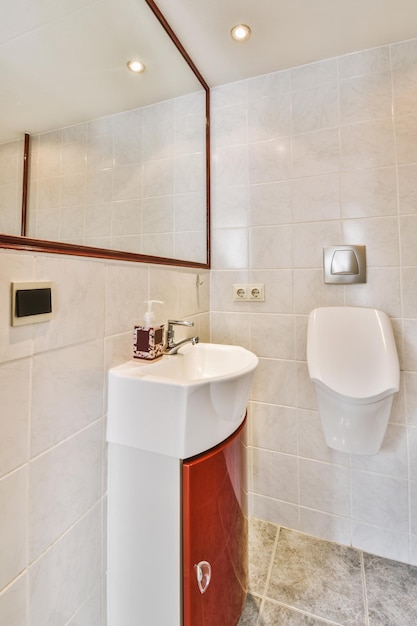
(148, 341)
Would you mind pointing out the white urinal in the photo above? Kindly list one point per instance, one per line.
(352, 360)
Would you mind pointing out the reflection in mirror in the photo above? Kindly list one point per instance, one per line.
(125, 165)
(11, 177)
(133, 181)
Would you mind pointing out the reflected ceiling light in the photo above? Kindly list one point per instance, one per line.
(136, 66)
(241, 32)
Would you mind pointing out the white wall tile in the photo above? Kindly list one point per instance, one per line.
(407, 188)
(65, 483)
(411, 397)
(392, 458)
(230, 208)
(272, 336)
(15, 386)
(270, 203)
(315, 153)
(365, 97)
(380, 541)
(278, 290)
(126, 286)
(408, 226)
(380, 500)
(275, 475)
(413, 507)
(275, 511)
(324, 487)
(310, 290)
(274, 428)
(90, 614)
(315, 199)
(405, 135)
(412, 446)
(15, 342)
(77, 302)
(364, 62)
(329, 527)
(315, 107)
(13, 525)
(367, 144)
(311, 442)
(309, 240)
(230, 166)
(269, 160)
(56, 591)
(369, 193)
(58, 412)
(382, 290)
(313, 74)
(270, 247)
(380, 235)
(413, 550)
(230, 248)
(13, 603)
(275, 382)
(231, 328)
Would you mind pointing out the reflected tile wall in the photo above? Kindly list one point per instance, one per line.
(131, 181)
(11, 178)
(53, 387)
(320, 155)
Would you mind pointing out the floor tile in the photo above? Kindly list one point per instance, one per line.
(261, 545)
(392, 592)
(251, 611)
(318, 577)
(273, 614)
(299, 580)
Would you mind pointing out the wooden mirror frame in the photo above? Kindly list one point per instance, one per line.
(24, 243)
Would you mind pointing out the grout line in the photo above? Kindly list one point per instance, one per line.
(365, 595)
(293, 609)
(271, 563)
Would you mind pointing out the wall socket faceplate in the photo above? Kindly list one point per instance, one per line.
(249, 293)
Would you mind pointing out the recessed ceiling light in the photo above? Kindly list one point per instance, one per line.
(136, 66)
(241, 32)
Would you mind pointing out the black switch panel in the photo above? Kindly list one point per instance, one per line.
(33, 302)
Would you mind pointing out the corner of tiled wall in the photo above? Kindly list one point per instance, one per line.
(320, 155)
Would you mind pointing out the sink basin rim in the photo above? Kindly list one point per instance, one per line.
(148, 371)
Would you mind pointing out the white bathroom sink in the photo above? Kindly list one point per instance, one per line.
(182, 404)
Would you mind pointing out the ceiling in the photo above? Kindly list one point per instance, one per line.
(65, 62)
(285, 33)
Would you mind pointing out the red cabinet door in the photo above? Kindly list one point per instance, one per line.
(215, 567)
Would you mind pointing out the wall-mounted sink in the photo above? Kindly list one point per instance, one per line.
(180, 405)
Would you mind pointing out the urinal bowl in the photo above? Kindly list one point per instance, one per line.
(352, 425)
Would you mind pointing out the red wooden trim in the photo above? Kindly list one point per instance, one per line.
(25, 183)
(162, 20)
(39, 245)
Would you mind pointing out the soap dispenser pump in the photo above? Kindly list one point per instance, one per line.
(148, 339)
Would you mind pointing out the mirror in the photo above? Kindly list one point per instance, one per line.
(118, 163)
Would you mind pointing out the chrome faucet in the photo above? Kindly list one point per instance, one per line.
(172, 347)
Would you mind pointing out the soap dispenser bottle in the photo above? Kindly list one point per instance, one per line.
(148, 339)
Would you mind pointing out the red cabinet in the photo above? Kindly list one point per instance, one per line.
(215, 534)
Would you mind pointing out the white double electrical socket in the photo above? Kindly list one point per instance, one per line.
(249, 293)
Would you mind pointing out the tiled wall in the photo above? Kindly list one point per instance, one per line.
(133, 181)
(314, 156)
(304, 158)
(11, 178)
(52, 426)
